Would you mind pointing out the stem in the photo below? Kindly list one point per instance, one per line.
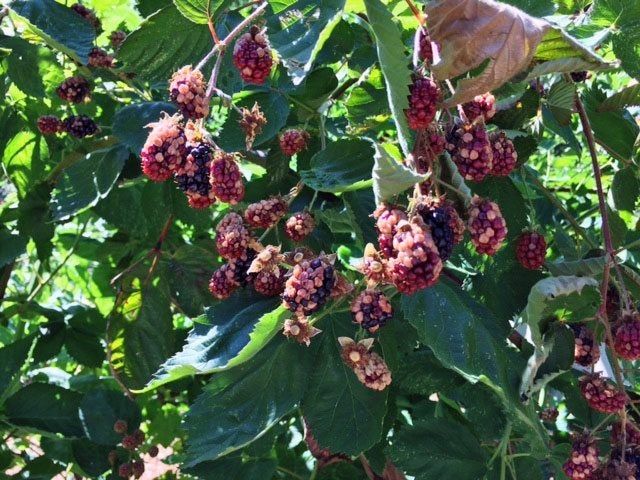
(451, 187)
(367, 468)
(290, 473)
(214, 74)
(5, 275)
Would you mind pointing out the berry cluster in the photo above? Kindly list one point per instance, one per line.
(252, 56)
(387, 219)
(117, 38)
(129, 464)
(299, 329)
(369, 367)
(50, 124)
(445, 225)
(79, 126)
(504, 154)
(232, 275)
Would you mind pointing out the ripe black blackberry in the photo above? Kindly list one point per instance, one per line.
(580, 76)
(583, 460)
(437, 218)
(194, 177)
(424, 98)
(309, 285)
(266, 213)
(187, 90)
(387, 219)
(371, 310)
(165, 149)
(470, 149)
(79, 126)
(299, 226)
(226, 179)
(481, 106)
(49, 124)
(252, 56)
(626, 341)
(75, 89)
(586, 350)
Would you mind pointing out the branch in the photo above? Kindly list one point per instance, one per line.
(5, 275)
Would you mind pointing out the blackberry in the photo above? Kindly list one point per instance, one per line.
(125, 470)
(583, 461)
(300, 330)
(374, 265)
(49, 124)
(387, 219)
(486, 225)
(188, 90)
(549, 415)
(194, 177)
(266, 213)
(129, 442)
(455, 222)
(471, 151)
(424, 98)
(75, 90)
(154, 451)
(580, 76)
(268, 259)
(371, 310)
(164, 152)
(225, 177)
(120, 426)
(602, 395)
(251, 122)
(269, 283)
(252, 56)
(309, 285)
(117, 38)
(439, 223)
(433, 144)
(531, 250)
(423, 46)
(354, 354)
(299, 226)
(481, 106)
(232, 240)
(240, 268)
(633, 433)
(100, 59)
(374, 373)
(505, 157)
(138, 468)
(88, 14)
(222, 283)
(293, 141)
(626, 341)
(79, 126)
(416, 264)
(586, 350)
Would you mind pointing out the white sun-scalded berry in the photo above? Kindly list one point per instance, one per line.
(505, 157)
(293, 141)
(252, 56)
(583, 460)
(299, 329)
(222, 283)
(226, 179)
(100, 59)
(75, 89)
(416, 264)
(424, 98)
(309, 285)
(481, 106)
(117, 38)
(79, 126)
(49, 124)
(602, 395)
(374, 265)
(194, 179)
(374, 373)
(187, 90)
(436, 217)
(165, 150)
(626, 337)
(371, 310)
(270, 283)
(471, 151)
(232, 237)
(586, 349)
(299, 226)
(531, 250)
(88, 14)
(387, 219)
(266, 213)
(486, 225)
(251, 122)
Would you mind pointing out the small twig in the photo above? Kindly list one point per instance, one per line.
(5, 275)
(214, 74)
(416, 12)
(367, 468)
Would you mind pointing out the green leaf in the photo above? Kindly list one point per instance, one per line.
(625, 189)
(341, 220)
(22, 64)
(343, 166)
(130, 123)
(433, 448)
(234, 467)
(99, 411)
(230, 333)
(84, 347)
(561, 99)
(11, 246)
(586, 267)
(394, 65)
(248, 400)
(46, 407)
(27, 160)
(627, 97)
(390, 177)
(201, 11)
(85, 183)
(59, 26)
(343, 414)
(123, 209)
(12, 358)
(152, 52)
(188, 272)
(367, 99)
(92, 458)
(35, 218)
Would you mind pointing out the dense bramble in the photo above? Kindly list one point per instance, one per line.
(436, 217)
(583, 461)
(299, 226)
(505, 157)
(626, 341)
(371, 310)
(309, 285)
(252, 56)
(486, 225)
(481, 106)
(187, 90)
(602, 395)
(194, 179)
(531, 250)
(88, 14)
(387, 219)
(75, 89)
(165, 150)
(424, 98)
(266, 213)
(226, 179)
(49, 124)
(79, 126)
(293, 141)
(100, 59)
(586, 349)
(471, 151)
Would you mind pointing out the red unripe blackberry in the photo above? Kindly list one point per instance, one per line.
(165, 150)
(222, 283)
(531, 250)
(481, 106)
(486, 225)
(387, 219)
(112, 457)
(293, 141)
(266, 213)
(194, 177)
(270, 283)
(300, 330)
(226, 179)
(100, 59)
(120, 426)
(549, 415)
(374, 372)
(416, 264)
(49, 124)
(424, 98)
(626, 341)
(117, 38)
(371, 310)
(88, 14)
(309, 285)
(232, 239)
(471, 151)
(455, 222)
(374, 265)
(505, 156)
(437, 219)
(79, 126)
(299, 226)
(125, 470)
(633, 433)
(586, 350)
(153, 451)
(129, 442)
(583, 460)
(602, 395)
(188, 90)
(252, 56)
(423, 45)
(75, 89)
(138, 468)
